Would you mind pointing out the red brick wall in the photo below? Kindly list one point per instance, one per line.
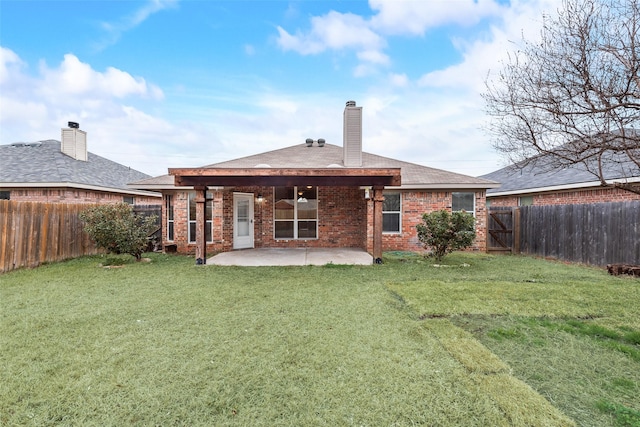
(345, 220)
(181, 218)
(68, 195)
(341, 219)
(416, 203)
(596, 195)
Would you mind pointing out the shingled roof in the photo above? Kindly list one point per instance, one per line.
(536, 177)
(43, 164)
(331, 156)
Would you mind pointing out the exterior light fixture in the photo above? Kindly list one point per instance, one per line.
(260, 198)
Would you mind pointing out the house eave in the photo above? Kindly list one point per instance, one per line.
(448, 186)
(79, 187)
(564, 187)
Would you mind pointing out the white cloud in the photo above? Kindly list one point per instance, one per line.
(250, 50)
(335, 31)
(399, 80)
(416, 17)
(483, 54)
(8, 62)
(116, 29)
(75, 78)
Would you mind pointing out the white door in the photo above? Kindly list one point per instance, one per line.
(242, 221)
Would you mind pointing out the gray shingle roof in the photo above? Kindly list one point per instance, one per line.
(301, 156)
(538, 176)
(43, 162)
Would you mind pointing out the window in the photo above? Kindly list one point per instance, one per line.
(391, 213)
(525, 201)
(208, 213)
(169, 209)
(5, 195)
(295, 212)
(464, 202)
(128, 199)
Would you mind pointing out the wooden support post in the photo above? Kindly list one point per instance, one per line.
(201, 222)
(378, 198)
(516, 230)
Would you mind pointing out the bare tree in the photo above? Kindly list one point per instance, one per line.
(574, 96)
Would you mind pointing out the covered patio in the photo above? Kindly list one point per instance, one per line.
(202, 179)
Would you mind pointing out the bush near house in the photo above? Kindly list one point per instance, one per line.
(118, 229)
(445, 232)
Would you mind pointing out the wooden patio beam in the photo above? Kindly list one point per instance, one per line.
(287, 177)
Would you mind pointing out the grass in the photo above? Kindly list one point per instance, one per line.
(170, 343)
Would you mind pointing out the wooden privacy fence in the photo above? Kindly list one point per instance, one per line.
(596, 234)
(32, 233)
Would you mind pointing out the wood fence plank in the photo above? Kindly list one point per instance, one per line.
(32, 233)
(596, 234)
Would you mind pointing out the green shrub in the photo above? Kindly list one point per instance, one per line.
(444, 232)
(117, 229)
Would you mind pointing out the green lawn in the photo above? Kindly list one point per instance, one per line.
(484, 341)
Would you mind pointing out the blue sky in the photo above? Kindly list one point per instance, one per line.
(168, 83)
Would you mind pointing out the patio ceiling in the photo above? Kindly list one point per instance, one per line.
(271, 177)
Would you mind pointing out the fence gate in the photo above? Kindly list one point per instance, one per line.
(502, 230)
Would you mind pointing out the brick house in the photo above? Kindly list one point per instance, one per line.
(65, 172)
(312, 194)
(535, 184)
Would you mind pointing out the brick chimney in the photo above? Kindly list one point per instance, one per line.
(352, 135)
(74, 142)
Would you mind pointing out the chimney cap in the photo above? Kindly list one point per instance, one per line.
(73, 125)
(351, 103)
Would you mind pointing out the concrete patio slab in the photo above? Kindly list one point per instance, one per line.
(294, 256)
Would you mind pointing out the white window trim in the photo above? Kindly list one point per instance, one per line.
(209, 222)
(169, 205)
(399, 212)
(474, 202)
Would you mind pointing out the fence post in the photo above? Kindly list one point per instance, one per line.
(516, 230)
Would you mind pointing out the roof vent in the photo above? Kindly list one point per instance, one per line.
(351, 103)
(74, 125)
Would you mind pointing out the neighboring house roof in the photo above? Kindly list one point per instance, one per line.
(331, 156)
(536, 177)
(42, 164)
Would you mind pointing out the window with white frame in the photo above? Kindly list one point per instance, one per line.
(169, 213)
(463, 201)
(208, 228)
(295, 212)
(525, 200)
(391, 209)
